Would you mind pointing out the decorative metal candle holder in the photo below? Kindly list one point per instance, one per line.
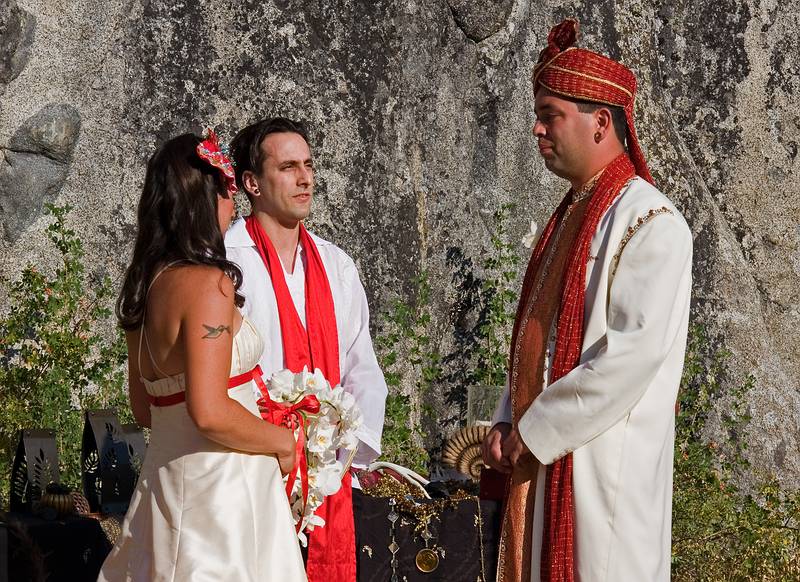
(108, 474)
(35, 466)
(137, 446)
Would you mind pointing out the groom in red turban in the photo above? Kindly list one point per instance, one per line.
(586, 428)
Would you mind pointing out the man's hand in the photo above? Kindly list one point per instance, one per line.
(492, 448)
(514, 447)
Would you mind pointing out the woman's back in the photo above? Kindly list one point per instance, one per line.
(192, 491)
(210, 502)
(172, 294)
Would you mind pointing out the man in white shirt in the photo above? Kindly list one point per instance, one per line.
(311, 290)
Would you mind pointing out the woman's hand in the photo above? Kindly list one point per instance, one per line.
(286, 453)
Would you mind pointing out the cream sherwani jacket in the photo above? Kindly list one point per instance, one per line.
(615, 412)
(360, 372)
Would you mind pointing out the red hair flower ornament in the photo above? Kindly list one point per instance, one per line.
(211, 151)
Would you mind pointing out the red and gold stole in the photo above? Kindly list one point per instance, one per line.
(331, 549)
(554, 288)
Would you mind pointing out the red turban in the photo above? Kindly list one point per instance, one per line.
(575, 73)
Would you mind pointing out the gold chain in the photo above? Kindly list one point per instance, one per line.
(479, 520)
(403, 497)
(587, 188)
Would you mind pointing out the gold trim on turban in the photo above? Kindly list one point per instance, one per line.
(593, 78)
(579, 97)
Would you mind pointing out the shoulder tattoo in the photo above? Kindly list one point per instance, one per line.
(215, 332)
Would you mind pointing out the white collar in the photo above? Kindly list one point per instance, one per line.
(237, 236)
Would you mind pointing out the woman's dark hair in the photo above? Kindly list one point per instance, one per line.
(25, 559)
(246, 146)
(177, 222)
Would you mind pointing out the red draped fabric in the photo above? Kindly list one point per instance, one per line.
(558, 550)
(331, 549)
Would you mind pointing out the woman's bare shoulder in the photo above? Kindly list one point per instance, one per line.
(205, 277)
(193, 285)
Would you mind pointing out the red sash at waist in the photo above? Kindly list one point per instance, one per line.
(169, 400)
(236, 381)
(178, 397)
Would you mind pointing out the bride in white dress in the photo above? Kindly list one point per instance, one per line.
(210, 503)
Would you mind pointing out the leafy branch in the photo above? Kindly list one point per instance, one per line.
(406, 332)
(493, 330)
(54, 359)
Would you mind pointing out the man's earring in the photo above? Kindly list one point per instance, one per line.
(597, 137)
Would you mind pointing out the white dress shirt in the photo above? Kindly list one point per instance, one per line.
(360, 372)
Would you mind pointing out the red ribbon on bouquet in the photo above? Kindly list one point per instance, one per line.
(291, 416)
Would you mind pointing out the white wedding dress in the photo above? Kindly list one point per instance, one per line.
(203, 512)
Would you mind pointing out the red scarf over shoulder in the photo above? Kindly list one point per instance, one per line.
(331, 549)
(557, 543)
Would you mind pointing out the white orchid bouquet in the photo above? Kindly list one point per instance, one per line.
(328, 419)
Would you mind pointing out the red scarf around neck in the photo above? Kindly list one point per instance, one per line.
(317, 344)
(331, 549)
(558, 547)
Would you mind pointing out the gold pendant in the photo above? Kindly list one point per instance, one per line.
(427, 560)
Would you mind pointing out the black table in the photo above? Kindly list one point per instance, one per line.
(73, 549)
(66, 550)
(457, 532)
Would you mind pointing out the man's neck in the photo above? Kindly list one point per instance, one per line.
(593, 170)
(284, 237)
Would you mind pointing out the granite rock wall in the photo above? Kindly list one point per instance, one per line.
(421, 114)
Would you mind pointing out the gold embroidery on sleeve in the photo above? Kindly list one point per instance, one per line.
(632, 230)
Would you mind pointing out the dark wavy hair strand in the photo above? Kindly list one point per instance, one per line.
(177, 222)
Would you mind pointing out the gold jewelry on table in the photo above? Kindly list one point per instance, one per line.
(479, 524)
(393, 547)
(401, 499)
(403, 496)
(111, 526)
(427, 560)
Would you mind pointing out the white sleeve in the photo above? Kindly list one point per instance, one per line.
(363, 378)
(647, 299)
(502, 413)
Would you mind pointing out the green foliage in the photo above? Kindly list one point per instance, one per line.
(406, 331)
(493, 332)
(53, 362)
(719, 532)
